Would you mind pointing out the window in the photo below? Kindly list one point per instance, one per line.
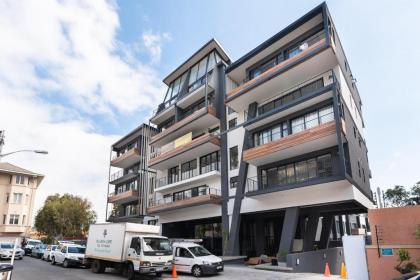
(136, 245)
(189, 169)
(7, 197)
(23, 219)
(233, 182)
(232, 123)
(4, 219)
(64, 250)
(271, 134)
(233, 154)
(173, 175)
(313, 119)
(14, 219)
(358, 165)
(183, 253)
(297, 172)
(27, 199)
(17, 198)
(209, 162)
(198, 71)
(354, 132)
(20, 179)
(364, 177)
(230, 111)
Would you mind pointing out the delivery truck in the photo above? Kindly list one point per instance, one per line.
(130, 248)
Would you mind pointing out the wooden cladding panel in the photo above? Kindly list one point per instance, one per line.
(275, 69)
(131, 152)
(193, 201)
(292, 140)
(123, 195)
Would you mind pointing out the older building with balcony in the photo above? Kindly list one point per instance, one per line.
(130, 179)
(17, 192)
(301, 165)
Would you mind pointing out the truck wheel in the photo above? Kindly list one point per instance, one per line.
(197, 271)
(130, 271)
(98, 266)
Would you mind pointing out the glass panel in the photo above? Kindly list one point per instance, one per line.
(276, 133)
(218, 59)
(324, 166)
(311, 168)
(272, 177)
(264, 178)
(311, 120)
(285, 130)
(290, 169)
(202, 68)
(297, 125)
(282, 175)
(193, 74)
(326, 114)
(301, 171)
(212, 61)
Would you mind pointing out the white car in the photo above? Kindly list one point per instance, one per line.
(193, 258)
(48, 252)
(31, 243)
(69, 255)
(6, 251)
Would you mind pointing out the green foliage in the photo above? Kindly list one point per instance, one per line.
(405, 266)
(64, 216)
(415, 194)
(399, 196)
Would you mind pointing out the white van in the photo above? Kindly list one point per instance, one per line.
(193, 258)
(69, 255)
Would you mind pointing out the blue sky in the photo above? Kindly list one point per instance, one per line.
(75, 77)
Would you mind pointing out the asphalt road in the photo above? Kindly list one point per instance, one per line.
(34, 269)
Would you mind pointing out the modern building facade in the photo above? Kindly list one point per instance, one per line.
(17, 192)
(265, 155)
(130, 179)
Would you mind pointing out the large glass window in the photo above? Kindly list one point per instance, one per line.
(173, 175)
(198, 71)
(233, 154)
(189, 169)
(297, 172)
(271, 134)
(313, 119)
(209, 162)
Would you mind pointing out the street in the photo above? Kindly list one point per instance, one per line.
(34, 269)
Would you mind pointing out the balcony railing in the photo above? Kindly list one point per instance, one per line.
(125, 195)
(251, 184)
(170, 200)
(164, 181)
(124, 213)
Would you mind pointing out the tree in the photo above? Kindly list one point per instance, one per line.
(65, 216)
(415, 194)
(397, 197)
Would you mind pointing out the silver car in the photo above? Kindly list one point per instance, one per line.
(6, 251)
(48, 252)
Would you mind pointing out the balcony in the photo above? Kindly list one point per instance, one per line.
(163, 184)
(127, 159)
(313, 139)
(315, 59)
(123, 197)
(119, 177)
(202, 118)
(121, 214)
(172, 154)
(13, 228)
(198, 91)
(208, 196)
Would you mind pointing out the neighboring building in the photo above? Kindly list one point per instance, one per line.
(17, 194)
(130, 180)
(393, 229)
(266, 153)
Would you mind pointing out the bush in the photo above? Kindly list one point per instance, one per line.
(404, 266)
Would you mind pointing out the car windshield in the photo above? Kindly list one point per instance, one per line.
(43, 246)
(53, 248)
(33, 242)
(156, 244)
(6, 246)
(199, 251)
(76, 250)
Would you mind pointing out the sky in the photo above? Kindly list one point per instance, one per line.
(75, 76)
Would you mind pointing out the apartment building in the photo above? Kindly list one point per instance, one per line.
(265, 155)
(130, 179)
(17, 192)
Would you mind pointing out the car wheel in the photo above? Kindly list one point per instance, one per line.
(159, 274)
(65, 263)
(197, 271)
(53, 261)
(21, 258)
(130, 272)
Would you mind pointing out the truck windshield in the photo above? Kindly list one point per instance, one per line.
(199, 251)
(156, 244)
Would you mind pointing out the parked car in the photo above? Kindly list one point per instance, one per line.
(69, 255)
(48, 252)
(31, 243)
(6, 251)
(38, 250)
(193, 258)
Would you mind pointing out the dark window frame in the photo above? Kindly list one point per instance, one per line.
(233, 159)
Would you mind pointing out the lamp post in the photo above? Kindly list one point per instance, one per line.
(18, 151)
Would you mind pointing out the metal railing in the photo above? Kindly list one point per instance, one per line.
(186, 195)
(120, 174)
(164, 181)
(115, 156)
(251, 184)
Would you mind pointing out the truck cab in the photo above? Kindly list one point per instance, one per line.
(150, 254)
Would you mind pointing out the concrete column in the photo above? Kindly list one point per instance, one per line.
(310, 232)
(348, 228)
(288, 232)
(327, 224)
(340, 221)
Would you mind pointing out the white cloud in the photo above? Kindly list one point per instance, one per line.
(58, 61)
(153, 43)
